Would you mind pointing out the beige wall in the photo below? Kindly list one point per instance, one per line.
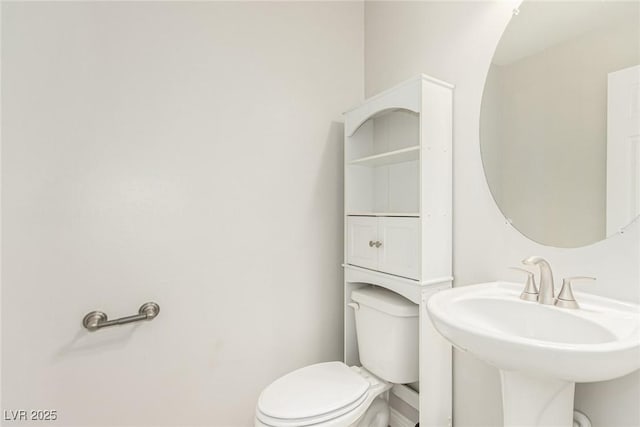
(188, 153)
(455, 41)
(544, 120)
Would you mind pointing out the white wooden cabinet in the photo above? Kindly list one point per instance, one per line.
(385, 244)
(362, 232)
(398, 188)
(400, 250)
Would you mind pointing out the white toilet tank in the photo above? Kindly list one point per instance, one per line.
(387, 331)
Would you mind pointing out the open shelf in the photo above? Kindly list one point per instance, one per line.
(400, 214)
(390, 157)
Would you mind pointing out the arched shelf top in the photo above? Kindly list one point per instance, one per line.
(353, 127)
(405, 96)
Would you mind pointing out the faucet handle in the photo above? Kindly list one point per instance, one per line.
(565, 297)
(530, 292)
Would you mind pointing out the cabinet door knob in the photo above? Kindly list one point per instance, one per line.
(372, 243)
(378, 244)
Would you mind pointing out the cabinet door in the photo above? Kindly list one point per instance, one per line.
(361, 230)
(400, 250)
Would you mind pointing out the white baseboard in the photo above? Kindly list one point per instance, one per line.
(396, 419)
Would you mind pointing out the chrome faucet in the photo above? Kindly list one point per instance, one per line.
(546, 295)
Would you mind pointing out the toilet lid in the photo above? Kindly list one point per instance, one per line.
(313, 391)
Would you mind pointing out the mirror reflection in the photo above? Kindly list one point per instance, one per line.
(560, 120)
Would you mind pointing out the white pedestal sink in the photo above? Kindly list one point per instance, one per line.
(541, 350)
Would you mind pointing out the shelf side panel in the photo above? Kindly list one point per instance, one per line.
(360, 144)
(436, 180)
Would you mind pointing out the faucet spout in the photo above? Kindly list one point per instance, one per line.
(546, 295)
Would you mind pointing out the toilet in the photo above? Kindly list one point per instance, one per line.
(333, 394)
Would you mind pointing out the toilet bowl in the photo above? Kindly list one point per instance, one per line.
(333, 394)
(324, 395)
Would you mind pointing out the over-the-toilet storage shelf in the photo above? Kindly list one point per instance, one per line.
(398, 221)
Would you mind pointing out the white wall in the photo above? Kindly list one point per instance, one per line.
(454, 41)
(157, 151)
(186, 153)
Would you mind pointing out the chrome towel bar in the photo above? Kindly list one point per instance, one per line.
(98, 319)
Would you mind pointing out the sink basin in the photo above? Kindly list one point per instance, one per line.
(539, 347)
(599, 341)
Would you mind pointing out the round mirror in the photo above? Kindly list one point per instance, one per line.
(560, 120)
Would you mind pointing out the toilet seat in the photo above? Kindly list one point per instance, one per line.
(326, 393)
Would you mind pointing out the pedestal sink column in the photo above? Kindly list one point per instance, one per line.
(535, 401)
